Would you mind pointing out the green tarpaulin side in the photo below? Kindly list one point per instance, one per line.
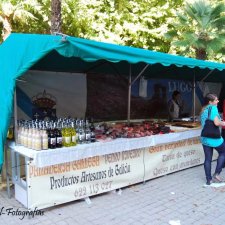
(20, 52)
(17, 54)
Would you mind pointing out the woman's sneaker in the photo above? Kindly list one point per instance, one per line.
(217, 179)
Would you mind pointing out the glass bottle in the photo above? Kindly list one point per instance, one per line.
(92, 128)
(25, 136)
(51, 138)
(63, 133)
(22, 135)
(58, 135)
(33, 135)
(29, 138)
(73, 134)
(38, 140)
(87, 132)
(44, 139)
(67, 136)
(81, 133)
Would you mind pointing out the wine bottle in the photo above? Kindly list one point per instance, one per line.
(73, 134)
(67, 136)
(58, 135)
(81, 133)
(92, 128)
(52, 139)
(87, 132)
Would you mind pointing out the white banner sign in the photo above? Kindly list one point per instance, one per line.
(56, 184)
(60, 183)
(175, 156)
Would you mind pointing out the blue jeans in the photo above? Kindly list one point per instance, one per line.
(208, 160)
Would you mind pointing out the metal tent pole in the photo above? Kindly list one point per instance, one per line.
(193, 94)
(130, 83)
(143, 70)
(209, 73)
(15, 117)
(129, 97)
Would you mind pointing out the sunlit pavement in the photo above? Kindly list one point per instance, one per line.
(177, 199)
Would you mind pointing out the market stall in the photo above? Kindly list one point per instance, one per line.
(118, 163)
(73, 173)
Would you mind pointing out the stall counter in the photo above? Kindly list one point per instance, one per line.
(62, 175)
(66, 154)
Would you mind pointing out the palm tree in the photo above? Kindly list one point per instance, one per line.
(10, 13)
(200, 29)
(56, 22)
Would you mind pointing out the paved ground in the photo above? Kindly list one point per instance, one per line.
(176, 199)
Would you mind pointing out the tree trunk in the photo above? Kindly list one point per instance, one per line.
(201, 54)
(56, 22)
(7, 28)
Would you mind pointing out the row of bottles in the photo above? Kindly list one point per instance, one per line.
(66, 132)
(33, 138)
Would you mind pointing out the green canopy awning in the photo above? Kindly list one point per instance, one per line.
(21, 52)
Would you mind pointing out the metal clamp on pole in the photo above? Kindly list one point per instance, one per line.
(64, 36)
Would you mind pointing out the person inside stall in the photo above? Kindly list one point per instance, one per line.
(175, 106)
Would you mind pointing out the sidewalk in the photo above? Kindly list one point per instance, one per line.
(176, 199)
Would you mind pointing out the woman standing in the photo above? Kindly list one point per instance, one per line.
(211, 101)
(223, 128)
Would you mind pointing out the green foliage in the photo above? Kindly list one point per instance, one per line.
(139, 23)
(199, 29)
(135, 23)
(161, 25)
(20, 16)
